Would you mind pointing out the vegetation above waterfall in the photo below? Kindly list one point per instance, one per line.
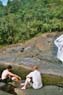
(21, 20)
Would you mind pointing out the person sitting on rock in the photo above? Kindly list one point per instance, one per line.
(8, 76)
(33, 79)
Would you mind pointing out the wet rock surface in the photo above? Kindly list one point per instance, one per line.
(40, 48)
(41, 51)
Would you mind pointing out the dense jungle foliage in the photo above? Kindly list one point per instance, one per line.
(21, 20)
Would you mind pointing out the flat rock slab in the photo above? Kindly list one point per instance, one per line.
(4, 93)
(19, 91)
(47, 90)
(2, 84)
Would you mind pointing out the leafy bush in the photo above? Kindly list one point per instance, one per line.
(21, 20)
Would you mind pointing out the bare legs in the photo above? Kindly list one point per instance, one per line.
(27, 81)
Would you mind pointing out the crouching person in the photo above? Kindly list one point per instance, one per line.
(33, 79)
(8, 76)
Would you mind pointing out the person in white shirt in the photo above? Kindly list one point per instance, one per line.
(34, 79)
(59, 43)
(7, 75)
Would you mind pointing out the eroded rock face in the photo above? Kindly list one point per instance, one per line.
(39, 50)
(41, 47)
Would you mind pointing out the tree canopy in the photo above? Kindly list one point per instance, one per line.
(21, 20)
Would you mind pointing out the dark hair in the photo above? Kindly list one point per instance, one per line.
(9, 67)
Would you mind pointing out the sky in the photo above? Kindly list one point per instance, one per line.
(4, 2)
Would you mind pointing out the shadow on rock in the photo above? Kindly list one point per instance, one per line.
(8, 88)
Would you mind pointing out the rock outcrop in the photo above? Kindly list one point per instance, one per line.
(39, 50)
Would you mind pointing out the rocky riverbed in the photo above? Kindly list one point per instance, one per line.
(39, 51)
